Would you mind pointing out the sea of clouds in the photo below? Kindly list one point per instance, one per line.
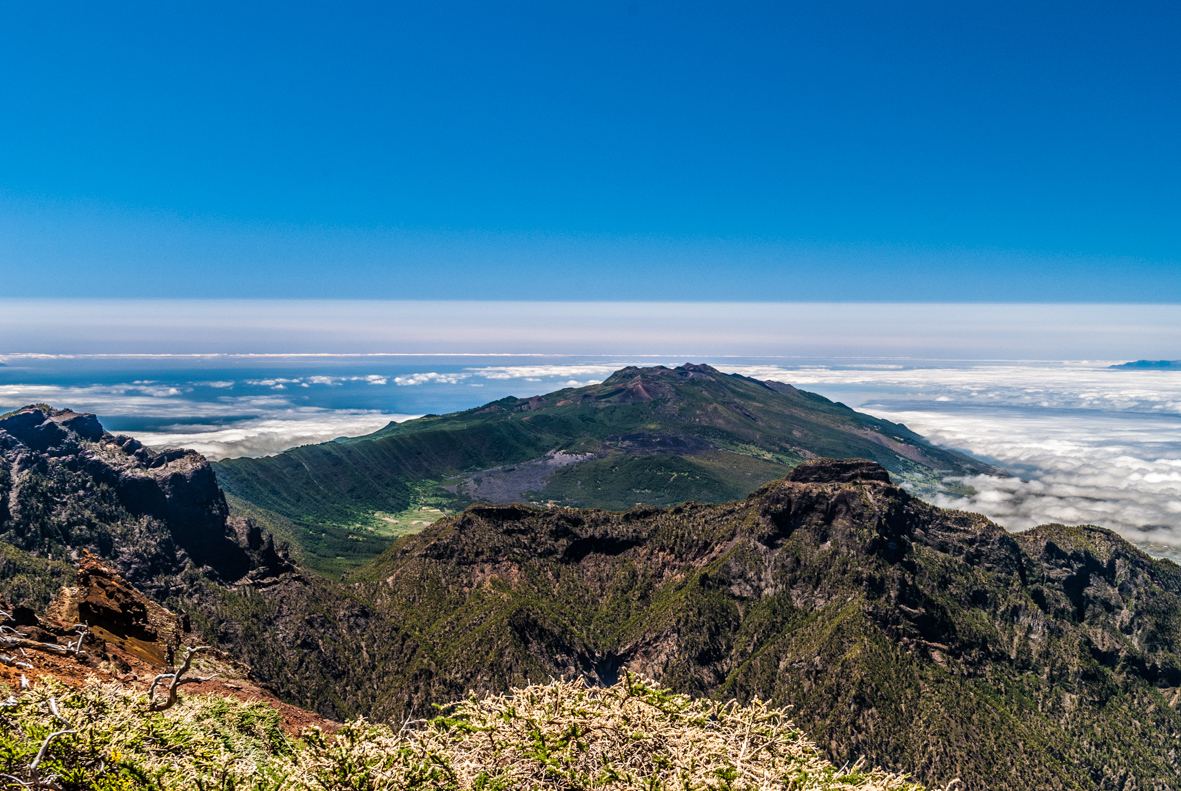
(1084, 443)
(1081, 442)
(252, 411)
(221, 427)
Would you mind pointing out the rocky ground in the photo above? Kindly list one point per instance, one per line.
(128, 639)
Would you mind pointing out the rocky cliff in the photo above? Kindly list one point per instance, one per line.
(66, 485)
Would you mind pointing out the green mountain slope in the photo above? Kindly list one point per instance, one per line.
(918, 638)
(653, 436)
(915, 637)
(910, 635)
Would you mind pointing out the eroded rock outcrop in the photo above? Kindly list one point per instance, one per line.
(130, 641)
(117, 613)
(66, 486)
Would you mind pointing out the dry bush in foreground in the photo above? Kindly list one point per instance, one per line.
(562, 735)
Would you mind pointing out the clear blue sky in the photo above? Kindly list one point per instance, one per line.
(610, 150)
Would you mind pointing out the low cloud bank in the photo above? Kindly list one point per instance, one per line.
(223, 427)
(267, 436)
(429, 377)
(1085, 469)
(1086, 445)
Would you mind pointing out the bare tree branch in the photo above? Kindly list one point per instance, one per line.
(177, 678)
(14, 662)
(45, 746)
(75, 646)
(24, 642)
(57, 714)
(49, 782)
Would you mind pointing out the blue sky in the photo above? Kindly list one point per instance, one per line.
(863, 151)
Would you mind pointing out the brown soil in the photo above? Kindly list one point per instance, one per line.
(132, 660)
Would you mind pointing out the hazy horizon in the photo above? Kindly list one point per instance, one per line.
(1013, 331)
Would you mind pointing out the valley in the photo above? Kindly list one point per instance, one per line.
(919, 639)
(644, 436)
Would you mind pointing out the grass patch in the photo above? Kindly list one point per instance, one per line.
(621, 482)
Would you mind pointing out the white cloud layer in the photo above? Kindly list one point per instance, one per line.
(270, 435)
(432, 377)
(250, 425)
(1087, 444)
(1081, 469)
(1076, 385)
(538, 372)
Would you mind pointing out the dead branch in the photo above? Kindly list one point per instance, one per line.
(75, 646)
(12, 661)
(49, 782)
(45, 746)
(50, 648)
(176, 679)
(57, 714)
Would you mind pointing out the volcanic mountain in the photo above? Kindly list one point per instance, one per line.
(644, 436)
(922, 639)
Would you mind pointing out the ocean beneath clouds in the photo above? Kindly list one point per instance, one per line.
(1082, 442)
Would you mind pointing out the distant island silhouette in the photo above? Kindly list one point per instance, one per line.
(1150, 364)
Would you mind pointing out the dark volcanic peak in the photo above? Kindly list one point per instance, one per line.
(688, 371)
(1150, 364)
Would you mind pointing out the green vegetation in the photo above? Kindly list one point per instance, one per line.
(633, 736)
(923, 640)
(30, 581)
(655, 436)
(336, 549)
(621, 482)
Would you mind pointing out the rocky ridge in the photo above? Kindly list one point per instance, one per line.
(922, 639)
(127, 640)
(66, 486)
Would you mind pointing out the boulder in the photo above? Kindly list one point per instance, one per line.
(119, 614)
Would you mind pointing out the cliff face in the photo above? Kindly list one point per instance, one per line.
(68, 485)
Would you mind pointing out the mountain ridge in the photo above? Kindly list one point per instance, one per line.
(654, 436)
(1149, 364)
(918, 638)
(835, 593)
